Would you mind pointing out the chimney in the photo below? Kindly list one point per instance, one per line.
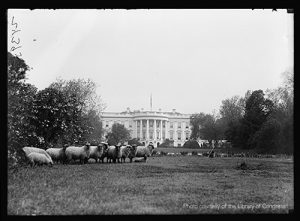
(159, 109)
(142, 109)
(128, 109)
(174, 110)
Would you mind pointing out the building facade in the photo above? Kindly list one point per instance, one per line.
(151, 126)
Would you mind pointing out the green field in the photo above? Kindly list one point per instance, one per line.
(162, 185)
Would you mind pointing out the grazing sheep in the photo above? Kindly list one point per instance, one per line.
(36, 158)
(58, 154)
(113, 154)
(140, 159)
(96, 152)
(105, 150)
(140, 151)
(132, 152)
(74, 153)
(29, 150)
(124, 152)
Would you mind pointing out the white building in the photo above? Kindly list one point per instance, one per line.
(151, 126)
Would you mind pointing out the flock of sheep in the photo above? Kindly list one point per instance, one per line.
(66, 154)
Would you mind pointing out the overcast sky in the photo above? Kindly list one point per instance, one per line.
(189, 60)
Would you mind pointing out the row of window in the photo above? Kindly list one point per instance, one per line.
(152, 125)
(163, 135)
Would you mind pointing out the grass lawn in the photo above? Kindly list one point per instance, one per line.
(162, 185)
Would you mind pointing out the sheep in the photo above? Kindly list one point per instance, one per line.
(140, 159)
(124, 152)
(58, 154)
(113, 154)
(74, 153)
(39, 159)
(140, 151)
(105, 150)
(29, 150)
(96, 152)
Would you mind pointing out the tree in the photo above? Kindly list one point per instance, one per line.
(53, 115)
(196, 120)
(83, 110)
(118, 134)
(20, 98)
(207, 127)
(92, 127)
(232, 109)
(283, 111)
(257, 110)
(267, 138)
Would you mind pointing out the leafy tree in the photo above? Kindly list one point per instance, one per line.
(20, 98)
(232, 109)
(196, 120)
(52, 117)
(207, 127)
(92, 127)
(118, 134)
(82, 115)
(266, 139)
(257, 110)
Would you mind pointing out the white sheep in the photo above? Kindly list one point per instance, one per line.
(96, 152)
(124, 152)
(113, 154)
(57, 154)
(140, 151)
(74, 153)
(39, 159)
(29, 150)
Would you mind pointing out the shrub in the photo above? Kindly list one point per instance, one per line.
(192, 144)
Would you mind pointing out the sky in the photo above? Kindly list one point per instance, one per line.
(188, 59)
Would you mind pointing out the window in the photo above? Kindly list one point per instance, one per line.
(171, 135)
(171, 125)
(179, 125)
(179, 135)
(187, 125)
(151, 135)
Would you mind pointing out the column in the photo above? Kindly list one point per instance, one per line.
(167, 130)
(136, 129)
(154, 129)
(161, 129)
(141, 133)
(147, 130)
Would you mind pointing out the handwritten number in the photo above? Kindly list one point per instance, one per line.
(14, 48)
(12, 22)
(12, 40)
(15, 31)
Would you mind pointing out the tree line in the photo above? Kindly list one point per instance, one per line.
(260, 121)
(65, 112)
